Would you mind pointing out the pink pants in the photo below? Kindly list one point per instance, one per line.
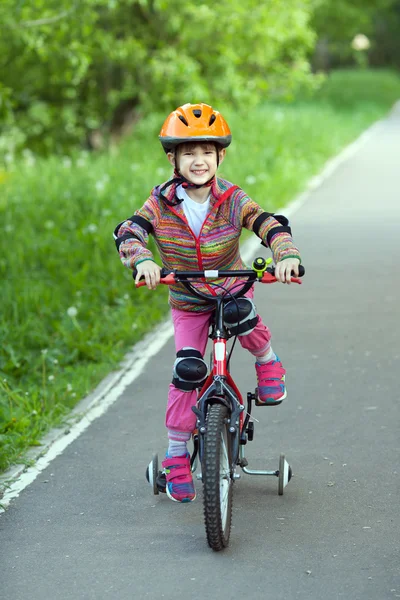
(191, 329)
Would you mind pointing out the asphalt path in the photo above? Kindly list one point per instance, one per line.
(89, 527)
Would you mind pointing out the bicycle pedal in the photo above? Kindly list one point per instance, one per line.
(161, 482)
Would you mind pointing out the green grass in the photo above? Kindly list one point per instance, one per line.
(57, 256)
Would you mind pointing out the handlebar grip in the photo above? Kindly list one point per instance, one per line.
(164, 273)
(301, 271)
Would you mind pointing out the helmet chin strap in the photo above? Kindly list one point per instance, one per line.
(185, 183)
(178, 179)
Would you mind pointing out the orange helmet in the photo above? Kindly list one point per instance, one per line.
(194, 123)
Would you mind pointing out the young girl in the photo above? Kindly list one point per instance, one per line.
(196, 219)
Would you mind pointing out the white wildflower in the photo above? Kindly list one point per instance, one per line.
(67, 162)
(44, 351)
(360, 42)
(69, 387)
(29, 157)
(92, 228)
(51, 377)
(72, 312)
(134, 326)
(250, 180)
(49, 224)
(101, 183)
(55, 361)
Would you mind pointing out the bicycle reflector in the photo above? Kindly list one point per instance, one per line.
(240, 316)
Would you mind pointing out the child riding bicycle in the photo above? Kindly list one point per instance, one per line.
(196, 219)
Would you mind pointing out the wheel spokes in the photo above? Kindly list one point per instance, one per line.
(225, 479)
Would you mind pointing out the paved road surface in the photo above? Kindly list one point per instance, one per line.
(89, 527)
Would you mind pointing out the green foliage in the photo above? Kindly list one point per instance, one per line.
(337, 23)
(343, 19)
(69, 309)
(386, 48)
(349, 89)
(70, 67)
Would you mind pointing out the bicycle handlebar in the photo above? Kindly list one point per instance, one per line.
(168, 277)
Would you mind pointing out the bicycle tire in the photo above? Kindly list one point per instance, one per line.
(217, 477)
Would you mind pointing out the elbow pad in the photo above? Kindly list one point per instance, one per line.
(282, 228)
(127, 236)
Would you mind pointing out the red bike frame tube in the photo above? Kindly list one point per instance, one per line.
(219, 356)
(220, 368)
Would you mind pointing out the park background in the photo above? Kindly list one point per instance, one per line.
(84, 88)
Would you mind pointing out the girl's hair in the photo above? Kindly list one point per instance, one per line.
(189, 146)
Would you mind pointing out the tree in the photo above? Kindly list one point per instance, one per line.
(69, 69)
(337, 23)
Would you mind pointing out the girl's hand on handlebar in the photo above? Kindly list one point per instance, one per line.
(286, 269)
(151, 273)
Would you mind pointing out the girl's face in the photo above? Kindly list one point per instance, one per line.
(196, 162)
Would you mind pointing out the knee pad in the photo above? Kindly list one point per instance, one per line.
(240, 316)
(190, 370)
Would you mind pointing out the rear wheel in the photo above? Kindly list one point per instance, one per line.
(217, 477)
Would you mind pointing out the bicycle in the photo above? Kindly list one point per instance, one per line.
(222, 429)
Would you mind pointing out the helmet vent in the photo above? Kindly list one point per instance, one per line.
(182, 118)
(197, 113)
(212, 119)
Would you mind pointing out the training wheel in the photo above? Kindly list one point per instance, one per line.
(285, 474)
(151, 474)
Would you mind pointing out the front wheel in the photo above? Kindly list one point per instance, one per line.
(217, 477)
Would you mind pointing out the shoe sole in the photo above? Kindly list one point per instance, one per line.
(184, 501)
(272, 401)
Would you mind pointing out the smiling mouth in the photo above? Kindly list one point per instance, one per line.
(200, 172)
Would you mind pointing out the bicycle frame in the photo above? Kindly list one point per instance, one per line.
(219, 386)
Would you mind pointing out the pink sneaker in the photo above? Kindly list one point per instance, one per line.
(180, 486)
(271, 383)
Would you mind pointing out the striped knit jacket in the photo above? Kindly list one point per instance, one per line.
(216, 247)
